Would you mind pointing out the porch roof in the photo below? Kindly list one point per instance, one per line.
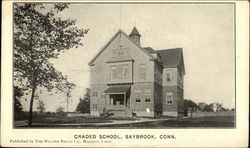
(117, 89)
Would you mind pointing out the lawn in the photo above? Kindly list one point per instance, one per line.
(80, 122)
(205, 122)
(65, 120)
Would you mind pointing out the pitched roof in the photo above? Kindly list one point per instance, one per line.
(149, 50)
(170, 57)
(134, 32)
(117, 89)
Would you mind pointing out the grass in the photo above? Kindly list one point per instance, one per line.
(65, 120)
(60, 121)
(206, 122)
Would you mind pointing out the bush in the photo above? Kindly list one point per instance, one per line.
(106, 114)
(134, 114)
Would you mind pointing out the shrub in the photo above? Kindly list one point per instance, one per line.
(106, 113)
(134, 114)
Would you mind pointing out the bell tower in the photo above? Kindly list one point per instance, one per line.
(135, 36)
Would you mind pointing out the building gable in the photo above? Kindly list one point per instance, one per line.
(120, 33)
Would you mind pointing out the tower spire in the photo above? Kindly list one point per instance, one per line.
(135, 35)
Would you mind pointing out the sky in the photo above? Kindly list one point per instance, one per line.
(204, 31)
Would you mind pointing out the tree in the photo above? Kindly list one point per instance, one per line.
(208, 108)
(39, 36)
(60, 109)
(84, 104)
(17, 104)
(218, 107)
(201, 106)
(40, 106)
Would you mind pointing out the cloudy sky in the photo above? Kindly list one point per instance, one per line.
(204, 31)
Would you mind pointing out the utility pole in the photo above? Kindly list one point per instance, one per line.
(67, 104)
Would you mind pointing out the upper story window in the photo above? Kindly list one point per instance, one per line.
(125, 71)
(147, 96)
(113, 71)
(94, 105)
(142, 71)
(94, 93)
(169, 76)
(119, 72)
(169, 98)
(137, 96)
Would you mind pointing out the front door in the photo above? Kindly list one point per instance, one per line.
(117, 99)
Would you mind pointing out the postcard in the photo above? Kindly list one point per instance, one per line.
(125, 74)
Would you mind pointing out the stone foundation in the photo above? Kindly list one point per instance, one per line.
(144, 113)
(95, 113)
(171, 114)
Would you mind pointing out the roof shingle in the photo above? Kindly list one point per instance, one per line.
(170, 57)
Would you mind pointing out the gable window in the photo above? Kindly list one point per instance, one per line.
(113, 72)
(142, 71)
(147, 96)
(169, 98)
(138, 96)
(121, 52)
(169, 76)
(125, 71)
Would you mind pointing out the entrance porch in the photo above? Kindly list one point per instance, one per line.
(118, 101)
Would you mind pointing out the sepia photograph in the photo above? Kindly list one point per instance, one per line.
(124, 65)
(124, 73)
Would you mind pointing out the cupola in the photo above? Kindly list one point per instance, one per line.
(135, 36)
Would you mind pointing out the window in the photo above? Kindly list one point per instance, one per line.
(119, 72)
(156, 95)
(94, 106)
(121, 52)
(94, 93)
(169, 98)
(113, 72)
(137, 96)
(125, 71)
(156, 77)
(147, 96)
(117, 99)
(142, 71)
(169, 76)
